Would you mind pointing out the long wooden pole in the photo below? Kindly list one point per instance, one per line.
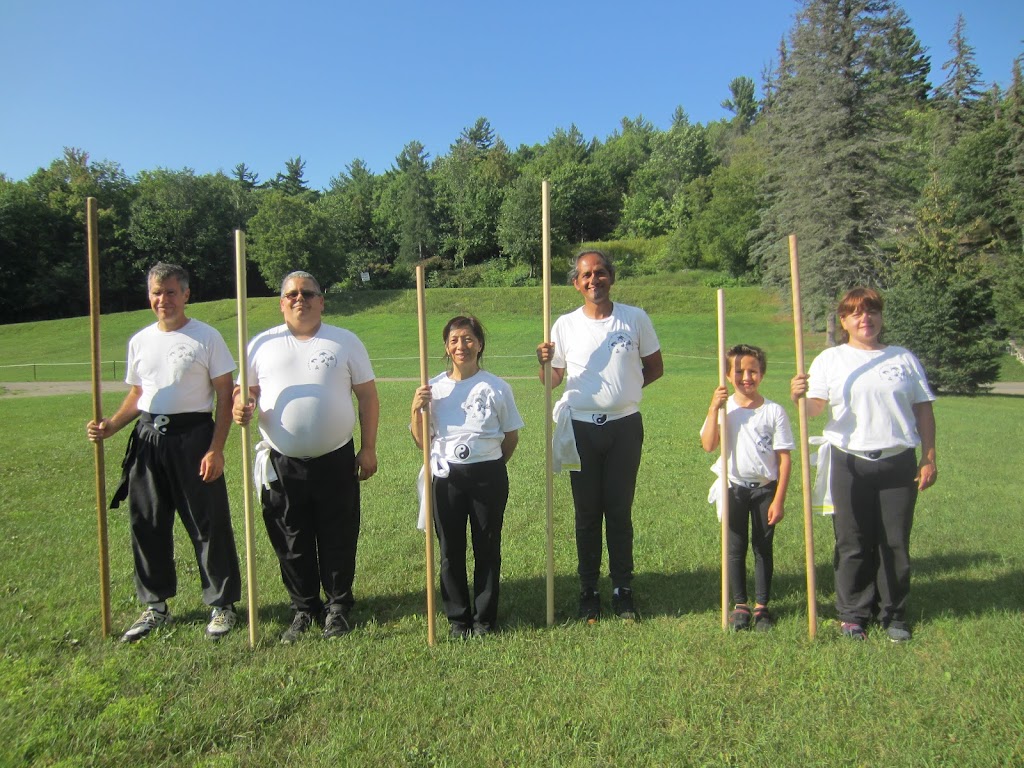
(723, 442)
(428, 490)
(805, 466)
(545, 188)
(243, 384)
(92, 231)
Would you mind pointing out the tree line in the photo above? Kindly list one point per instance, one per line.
(887, 179)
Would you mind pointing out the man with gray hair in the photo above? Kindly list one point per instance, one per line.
(175, 455)
(302, 376)
(607, 353)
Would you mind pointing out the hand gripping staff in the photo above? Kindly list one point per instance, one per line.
(428, 491)
(243, 384)
(805, 467)
(92, 232)
(545, 189)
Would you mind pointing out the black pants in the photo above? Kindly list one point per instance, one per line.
(312, 516)
(874, 511)
(751, 504)
(479, 493)
(602, 491)
(162, 475)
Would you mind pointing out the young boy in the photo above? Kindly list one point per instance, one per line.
(760, 440)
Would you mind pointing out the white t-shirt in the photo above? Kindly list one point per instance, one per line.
(469, 418)
(306, 388)
(870, 395)
(603, 373)
(754, 435)
(176, 368)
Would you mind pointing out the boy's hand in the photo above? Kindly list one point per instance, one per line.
(775, 513)
(719, 398)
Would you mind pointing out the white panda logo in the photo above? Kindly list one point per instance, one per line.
(620, 343)
(180, 357)
(892, 374)
(322, 361)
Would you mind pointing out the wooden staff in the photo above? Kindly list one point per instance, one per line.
(428, 490)
(805, 466)
(545, 197)
(92, 231)
(723, 442)
(243, 386)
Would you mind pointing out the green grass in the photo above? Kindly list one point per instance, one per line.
(673, 690)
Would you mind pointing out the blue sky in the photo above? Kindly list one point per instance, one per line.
(208, 84)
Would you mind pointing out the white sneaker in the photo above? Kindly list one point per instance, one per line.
(221, 622)
(149, 620)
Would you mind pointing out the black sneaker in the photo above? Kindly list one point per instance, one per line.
(739, 619)
(482, 630)
(622, 604)
(336, 622)
(301, 622)
(853, 631)
(590, 605)
(460, 632)
(763, 621)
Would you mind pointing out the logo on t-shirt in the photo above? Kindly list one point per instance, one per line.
(461, 451)
(600, 418)
(620, 343)
(763, 442)
(892, 373)
(180, 357)
(476, 408)
(322, 360)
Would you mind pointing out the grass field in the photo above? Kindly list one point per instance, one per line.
(671, 690)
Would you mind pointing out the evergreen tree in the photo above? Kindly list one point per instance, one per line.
(959, 93)
(742, 103)
(418, 232)
(293, 181)
(836, 146)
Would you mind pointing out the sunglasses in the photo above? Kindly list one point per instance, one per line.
(307, 295)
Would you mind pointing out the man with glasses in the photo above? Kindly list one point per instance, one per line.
(175, 455)
(302, 376)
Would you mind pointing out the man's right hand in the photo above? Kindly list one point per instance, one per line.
(98, 432)
(242, 411)
(545, 352)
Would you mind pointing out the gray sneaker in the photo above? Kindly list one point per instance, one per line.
(301, 622)
(222, 619)
(898, 634)
(336, 622)
(149, 620)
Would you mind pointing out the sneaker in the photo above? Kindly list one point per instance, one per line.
(336, 622)
(222, 619)
(301, 622)
(898, 634)
(854, 631)
(149, 620)
(763, 621)
(590, 605)
(460, 632)
(482, 630)
(622, 604)
(739, 618)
